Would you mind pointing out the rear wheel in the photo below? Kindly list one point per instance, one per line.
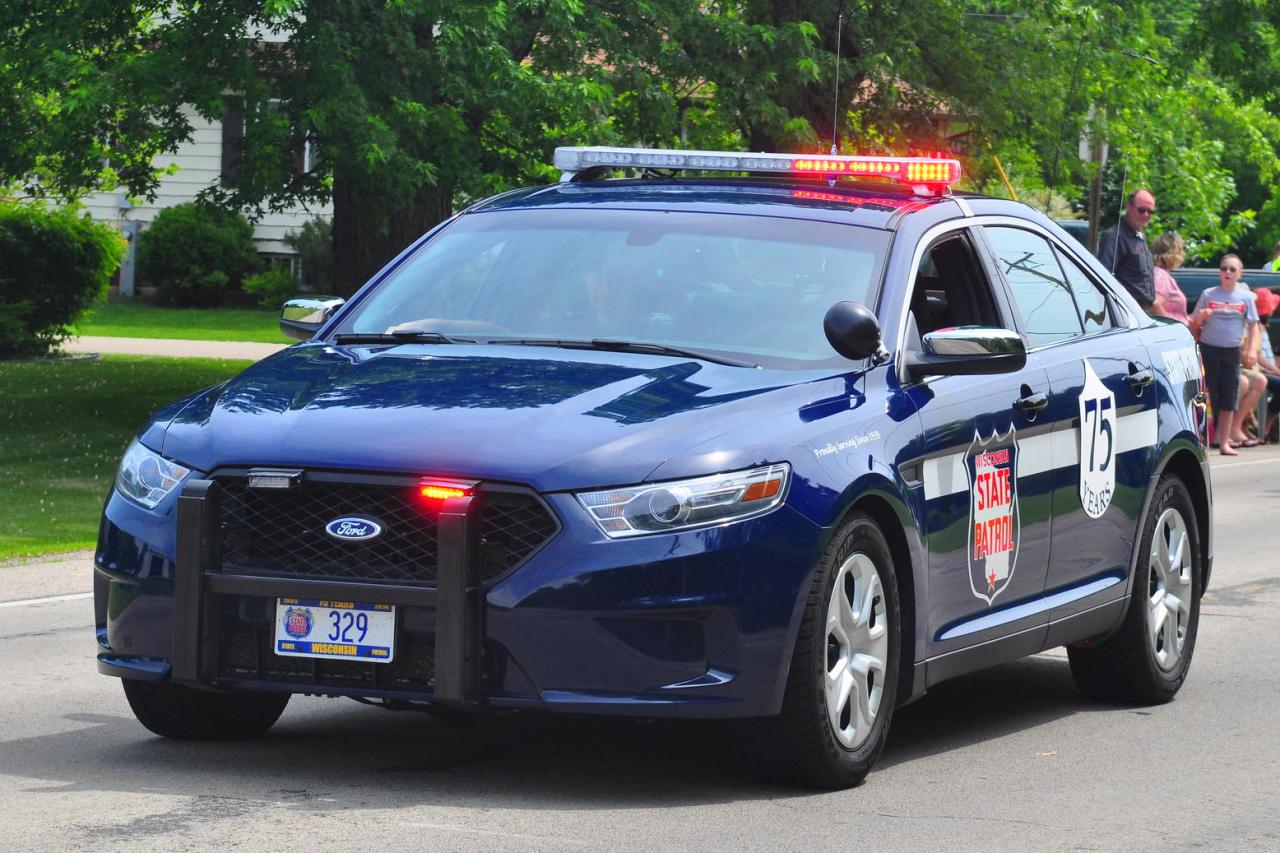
(1146, 661)
(843, 682)
(178, 711)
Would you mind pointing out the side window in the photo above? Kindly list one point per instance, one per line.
(951, 290)
(1038, 284)
(1095, 312)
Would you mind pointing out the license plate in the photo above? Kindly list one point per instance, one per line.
(340, 630)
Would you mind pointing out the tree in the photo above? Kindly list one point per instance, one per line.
(413, 108)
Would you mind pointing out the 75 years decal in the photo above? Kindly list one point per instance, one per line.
(1097, 444)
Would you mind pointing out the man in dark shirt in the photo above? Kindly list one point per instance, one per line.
(1123, 250)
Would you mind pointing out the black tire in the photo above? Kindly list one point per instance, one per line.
(1124, 667)
(176, 711)
(800, 745)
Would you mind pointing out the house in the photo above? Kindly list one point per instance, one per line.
(201, 163)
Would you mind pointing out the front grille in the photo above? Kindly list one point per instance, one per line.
(282, 531)
(246, 652)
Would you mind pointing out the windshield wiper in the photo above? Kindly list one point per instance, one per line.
(625, 346)
(407, 337)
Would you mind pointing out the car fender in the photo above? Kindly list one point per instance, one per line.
(882, 497)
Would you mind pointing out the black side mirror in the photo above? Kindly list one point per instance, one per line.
(303, 317)
(852, 330)
(968, 351)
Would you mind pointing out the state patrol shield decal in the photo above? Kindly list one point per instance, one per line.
(992, 468)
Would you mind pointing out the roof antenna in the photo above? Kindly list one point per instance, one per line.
(1115, 255)
(835, 109)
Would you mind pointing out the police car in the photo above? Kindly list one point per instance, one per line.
(792, 443)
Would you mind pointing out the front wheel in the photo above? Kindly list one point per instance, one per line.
(177, 711)
(1146, 661)
(843, 683)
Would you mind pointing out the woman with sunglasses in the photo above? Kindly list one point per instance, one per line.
(1225, 317)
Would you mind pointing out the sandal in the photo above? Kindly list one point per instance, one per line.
(1248, 442)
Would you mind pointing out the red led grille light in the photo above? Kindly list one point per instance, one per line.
(438, 491)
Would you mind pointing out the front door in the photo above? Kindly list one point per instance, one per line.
(986, 488)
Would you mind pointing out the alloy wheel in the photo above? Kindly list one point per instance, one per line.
(857, 650)
(1169, 588)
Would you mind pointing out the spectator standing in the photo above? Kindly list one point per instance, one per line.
(1168, 251)
(1222, 319)
(1123, 251)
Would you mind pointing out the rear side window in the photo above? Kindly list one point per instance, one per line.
(1095, 312)
(1040, 288)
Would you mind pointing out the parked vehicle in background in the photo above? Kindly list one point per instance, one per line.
(1195, 280)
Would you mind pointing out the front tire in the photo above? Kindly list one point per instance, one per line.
(177, 711)
(1146, 661)
(843, 683)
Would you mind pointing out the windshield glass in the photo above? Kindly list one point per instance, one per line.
(748, 285)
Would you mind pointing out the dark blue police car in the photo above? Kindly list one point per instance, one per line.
(779, 444)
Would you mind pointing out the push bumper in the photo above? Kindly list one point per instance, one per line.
(692, 625)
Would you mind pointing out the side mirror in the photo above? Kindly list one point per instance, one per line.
(852, 330)
(968, 351)
(303, 317)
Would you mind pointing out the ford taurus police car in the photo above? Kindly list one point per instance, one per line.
(783, 443)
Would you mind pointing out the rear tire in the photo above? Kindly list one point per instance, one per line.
(843, 683)
(1146, 661)
(177, 711)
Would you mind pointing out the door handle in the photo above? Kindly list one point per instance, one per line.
(1138, 380)
(1032, 405)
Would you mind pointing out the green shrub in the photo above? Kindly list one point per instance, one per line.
(194, 253)
(272, 287)
(53, 265)
(314, 245)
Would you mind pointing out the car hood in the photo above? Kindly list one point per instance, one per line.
(552, 418)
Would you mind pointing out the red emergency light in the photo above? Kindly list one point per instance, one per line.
(433, 493)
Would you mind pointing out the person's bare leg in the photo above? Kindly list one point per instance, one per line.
(1225, 421)
(1252, 384)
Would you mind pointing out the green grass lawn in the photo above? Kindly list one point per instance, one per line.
(134, 319)
(63, 428)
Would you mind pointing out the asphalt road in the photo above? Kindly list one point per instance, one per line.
(1010, 759)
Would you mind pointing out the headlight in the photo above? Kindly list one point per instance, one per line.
(147, 477)
(681, 504)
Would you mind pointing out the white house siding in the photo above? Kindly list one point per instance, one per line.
(200, 166)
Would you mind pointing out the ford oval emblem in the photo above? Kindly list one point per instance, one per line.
(353, 529)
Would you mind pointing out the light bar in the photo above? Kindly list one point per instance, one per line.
(923, 174)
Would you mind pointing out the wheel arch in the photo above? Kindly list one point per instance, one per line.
(1184, 458)
(1188, 467)
(893, 518)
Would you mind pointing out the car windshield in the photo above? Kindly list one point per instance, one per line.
(756, 287)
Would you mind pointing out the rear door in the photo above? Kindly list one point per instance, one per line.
(1101, 416)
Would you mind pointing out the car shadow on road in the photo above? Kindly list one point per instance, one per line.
(334, 755)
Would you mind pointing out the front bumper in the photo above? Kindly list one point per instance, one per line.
(696, 624)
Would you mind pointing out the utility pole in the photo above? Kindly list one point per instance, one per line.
(1093, 149)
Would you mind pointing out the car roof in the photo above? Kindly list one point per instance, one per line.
(864, 204)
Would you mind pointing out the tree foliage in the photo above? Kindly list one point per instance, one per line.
(413, 108)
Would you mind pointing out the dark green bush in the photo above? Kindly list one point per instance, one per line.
(314, 244)
(53, 265)
(271, 287)
(194, 253)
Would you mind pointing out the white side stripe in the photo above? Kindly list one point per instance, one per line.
(25, 602)
(944, 475)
